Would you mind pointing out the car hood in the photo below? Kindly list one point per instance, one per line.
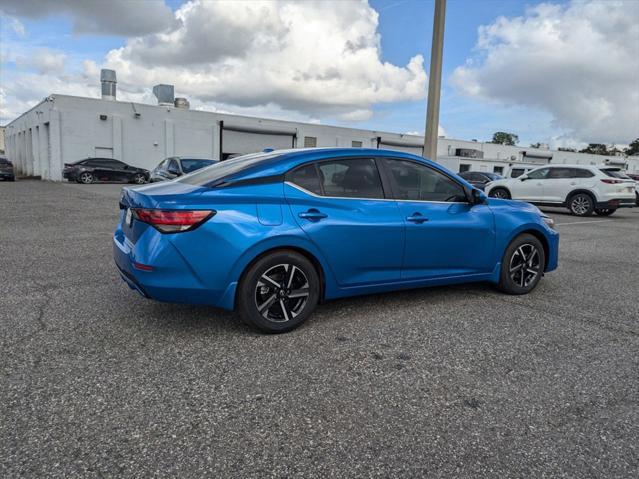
(513, 204)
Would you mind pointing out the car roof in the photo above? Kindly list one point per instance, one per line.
(279, 162)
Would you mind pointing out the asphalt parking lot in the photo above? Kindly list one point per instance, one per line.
(455, 381)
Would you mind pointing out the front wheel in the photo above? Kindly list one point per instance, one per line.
(139, 179)
(605, 211)
(522, 265)
(278, 292)
(581, 204)
(501, 193)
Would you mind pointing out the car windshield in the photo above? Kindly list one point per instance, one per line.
(493, 176)
(615, 173)
(190, 164)
(222, 169)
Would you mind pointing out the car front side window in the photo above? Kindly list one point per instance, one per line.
(412, 181)
(540, 174)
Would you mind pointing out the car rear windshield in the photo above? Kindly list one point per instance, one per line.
(223, 169)
(614, 173)
(189, 165)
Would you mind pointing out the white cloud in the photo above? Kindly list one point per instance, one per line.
(305, 61)
(119, 17)
(43, 60)
(319, 58)
(579, 62)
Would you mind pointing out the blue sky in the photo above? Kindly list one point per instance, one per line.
(477, 99)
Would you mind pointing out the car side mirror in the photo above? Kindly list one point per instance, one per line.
(173, 171)
(523, 177)
(478, 197)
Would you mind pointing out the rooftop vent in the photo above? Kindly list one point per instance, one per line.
(165, 94)
(107, 78)
(182, 103)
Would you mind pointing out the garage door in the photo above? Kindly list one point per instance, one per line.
(414, 148)
(240, 140)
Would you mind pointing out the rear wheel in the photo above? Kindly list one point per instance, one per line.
(522, 265)
(279, 292)
(605, 211)
(581, 204)
(86, 178)
(501, 193)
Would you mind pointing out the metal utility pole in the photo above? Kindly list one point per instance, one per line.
(435, 81)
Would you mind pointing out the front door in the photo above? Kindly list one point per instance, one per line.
(445, 235)
(342, 207)
(530, 187)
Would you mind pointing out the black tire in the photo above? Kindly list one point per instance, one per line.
(605, 211)
(86, 178)
(524, 250)
(501, 193)
(266, 298)
(139, 179)
(637, 199)
(581, 204)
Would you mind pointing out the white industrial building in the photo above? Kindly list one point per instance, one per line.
(62, 129)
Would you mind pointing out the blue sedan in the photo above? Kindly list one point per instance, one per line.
(272, 234)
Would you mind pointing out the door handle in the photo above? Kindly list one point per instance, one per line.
(417, 218)
(312, 215)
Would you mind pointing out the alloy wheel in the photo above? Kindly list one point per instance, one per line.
(500, 194)
(139, 179)
(281, 293)
(525, 265)
(580, 205)
(86, 177)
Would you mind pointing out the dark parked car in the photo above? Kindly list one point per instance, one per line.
(91, 170)
(479, 179)
(6, 170)
(176, 166)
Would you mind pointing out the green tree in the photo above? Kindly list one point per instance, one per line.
(562, 148)
(535, 145)
(505, 138)
(595, 149)
(633, 148)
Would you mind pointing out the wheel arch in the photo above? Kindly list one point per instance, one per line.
(315, 261)
(500, 187)
(542, 239)
(578, 191)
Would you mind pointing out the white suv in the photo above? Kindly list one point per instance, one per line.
(582, 189)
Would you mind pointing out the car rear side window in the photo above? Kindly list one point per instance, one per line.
(561, 173)
(306, 177)
(412, 181)
(351, 178)
(583, 173)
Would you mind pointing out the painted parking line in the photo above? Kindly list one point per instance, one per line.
(582, 222)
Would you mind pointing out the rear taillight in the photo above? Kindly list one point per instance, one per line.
(611, 181)
(172, 221)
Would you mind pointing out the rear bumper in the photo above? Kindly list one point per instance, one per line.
(617, 203)
(171, 279)
(7, 175)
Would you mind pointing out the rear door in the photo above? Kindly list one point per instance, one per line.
(559, 182)
(101, 168)
(344, 209)
(445, 235)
